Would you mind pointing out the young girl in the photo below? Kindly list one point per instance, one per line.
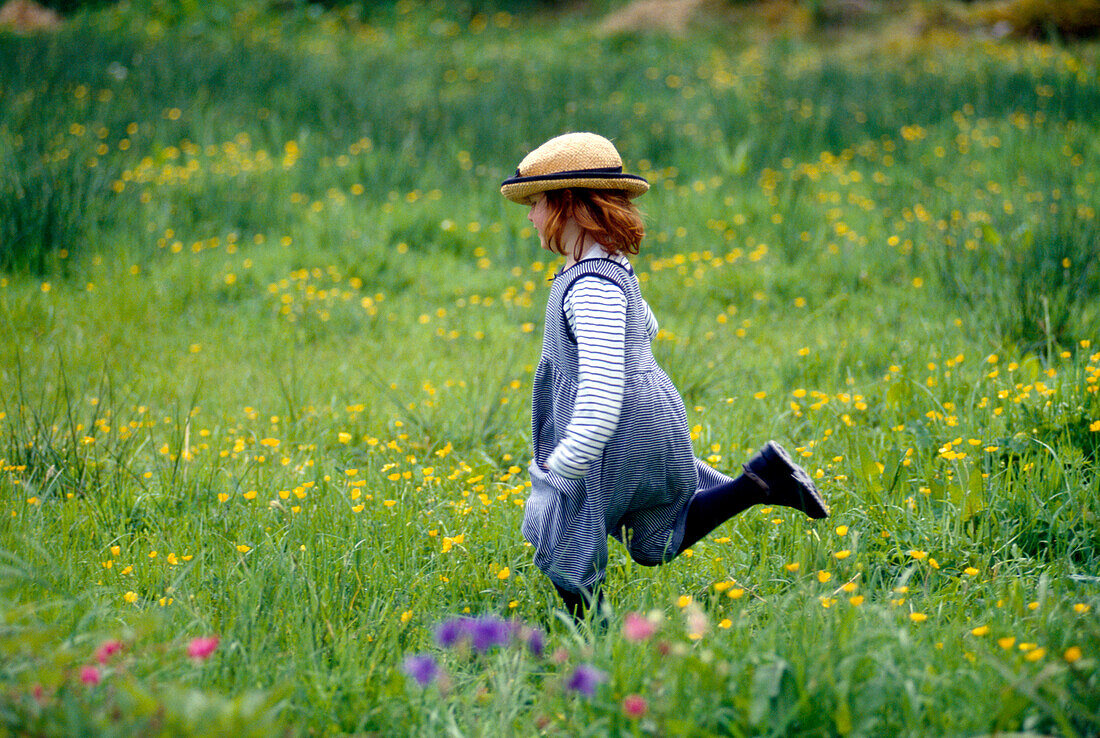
(612, 449)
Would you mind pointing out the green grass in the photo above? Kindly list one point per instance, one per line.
(270, 331)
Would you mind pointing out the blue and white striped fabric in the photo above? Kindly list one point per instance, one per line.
(635, 487)
(595, 312)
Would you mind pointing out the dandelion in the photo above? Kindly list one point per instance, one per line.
(1081, 608)
(824, 576)
(793, 566)
(130, 597)
(849, 587)
(980, 631)
(406, 616)
(1073, 653)
(917, 554)
(634, 706)
(90, 675)
(421, 667)
(1006, 643)
(918, 617)
(683, 601)
(637, 627)
(842, 530)
(970, 571)
(855, 600)
(841, 555)
(199, 649)
(1036, 654)
(242, 548)
(585, 679)
(504, 573)
(725, 623)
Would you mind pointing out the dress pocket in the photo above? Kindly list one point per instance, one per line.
(547, 512)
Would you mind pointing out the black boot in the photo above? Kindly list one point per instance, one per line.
(578, 603)
(785, 482)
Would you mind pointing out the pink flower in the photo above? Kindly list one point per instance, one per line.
(201, 648)
(634, 706)
(637, 628)
(89, 675)
(107, 650)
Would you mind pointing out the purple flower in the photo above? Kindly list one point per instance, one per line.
(585, 679)
(486, 633)
(536, 641)
(451, 631)
(421, 667)
(489, 632)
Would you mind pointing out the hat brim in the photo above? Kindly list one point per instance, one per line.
(524, 189)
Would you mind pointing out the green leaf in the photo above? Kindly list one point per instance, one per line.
(766, 683)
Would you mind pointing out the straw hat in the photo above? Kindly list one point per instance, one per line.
(571, 160)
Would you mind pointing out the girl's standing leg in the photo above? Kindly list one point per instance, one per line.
(578, 603)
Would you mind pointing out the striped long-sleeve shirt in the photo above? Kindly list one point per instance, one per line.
(596, 312)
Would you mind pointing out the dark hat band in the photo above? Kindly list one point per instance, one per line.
(601, 173)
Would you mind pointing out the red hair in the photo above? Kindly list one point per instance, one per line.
(608, 216)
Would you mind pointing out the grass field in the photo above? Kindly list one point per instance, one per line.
(270, 332)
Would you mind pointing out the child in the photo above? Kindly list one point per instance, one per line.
(612, 449)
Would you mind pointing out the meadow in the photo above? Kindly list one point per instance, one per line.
(269, 334)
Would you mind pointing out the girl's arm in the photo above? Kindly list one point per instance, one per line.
(651, 326)
(596, 310)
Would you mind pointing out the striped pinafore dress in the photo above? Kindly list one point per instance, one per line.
(638, 490)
